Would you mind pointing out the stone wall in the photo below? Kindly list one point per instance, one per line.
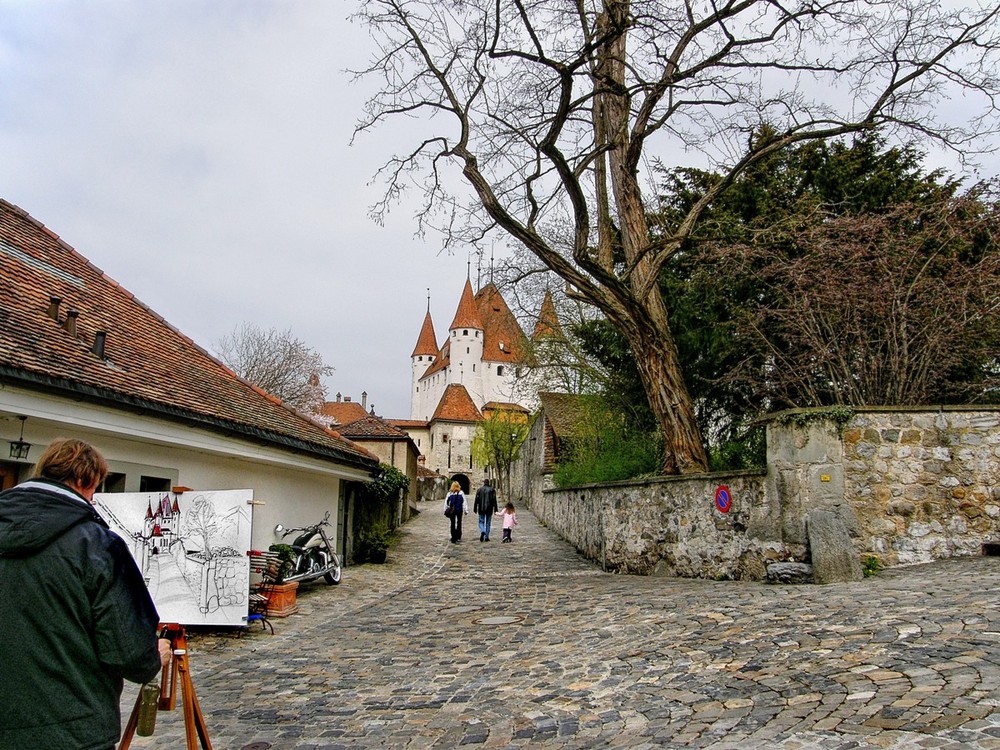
(924, 486)
(910, 486)
(668, 526)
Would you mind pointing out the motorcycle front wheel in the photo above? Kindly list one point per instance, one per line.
(333, 576)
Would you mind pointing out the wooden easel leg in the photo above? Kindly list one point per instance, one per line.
(194, 721)
(130, 727)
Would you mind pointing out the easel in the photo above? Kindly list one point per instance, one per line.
(193, 719)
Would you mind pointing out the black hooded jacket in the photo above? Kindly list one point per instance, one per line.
(75, 620)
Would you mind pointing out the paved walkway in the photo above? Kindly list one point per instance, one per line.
(529, 645)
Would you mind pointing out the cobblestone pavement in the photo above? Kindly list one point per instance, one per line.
(529, 645)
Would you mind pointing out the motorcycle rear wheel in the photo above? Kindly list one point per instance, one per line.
(333, 576)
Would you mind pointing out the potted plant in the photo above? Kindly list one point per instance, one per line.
(375, 543)
(282, 598)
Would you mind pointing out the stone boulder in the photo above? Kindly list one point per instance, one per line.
(789, 572)
(830, 548)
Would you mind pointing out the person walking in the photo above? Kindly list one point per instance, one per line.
(77, 618)
(485, 506)
(456, 506)
(509, 522)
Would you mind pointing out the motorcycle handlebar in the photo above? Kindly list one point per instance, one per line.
(283, 531)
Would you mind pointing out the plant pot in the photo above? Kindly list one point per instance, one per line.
(281, 600)
(377, 556)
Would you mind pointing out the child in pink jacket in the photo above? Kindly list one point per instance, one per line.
(509, 521)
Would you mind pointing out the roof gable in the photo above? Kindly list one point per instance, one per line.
(343, 412)
(456, 405)
(371, 427)
(503, 339)
(100, 344)
(567, 412)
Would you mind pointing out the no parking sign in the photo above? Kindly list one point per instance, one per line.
(723, 500)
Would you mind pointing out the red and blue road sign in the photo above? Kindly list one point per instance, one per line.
(723, 498)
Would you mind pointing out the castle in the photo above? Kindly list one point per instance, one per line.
(484, 365)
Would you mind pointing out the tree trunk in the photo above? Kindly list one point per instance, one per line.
(660, 370)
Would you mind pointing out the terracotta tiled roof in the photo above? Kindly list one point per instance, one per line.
(408, 424)
(443, 360)
(503, 339)
(343, 412)
(371, 428)
(564, 411)
(147, 365)
(456, 405)
(426, 343)
(504, 406)
(548, 322)
(423, 471)
(467, 314)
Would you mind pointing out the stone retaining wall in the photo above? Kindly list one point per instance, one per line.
(924, 486)
(911, 486)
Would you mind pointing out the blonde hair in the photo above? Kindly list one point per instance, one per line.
(72, 461)
(456, 487)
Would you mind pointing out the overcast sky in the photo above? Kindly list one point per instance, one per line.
(198, 153)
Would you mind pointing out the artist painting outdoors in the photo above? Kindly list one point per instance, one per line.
(77, 620)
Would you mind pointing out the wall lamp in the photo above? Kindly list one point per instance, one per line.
(20, 448)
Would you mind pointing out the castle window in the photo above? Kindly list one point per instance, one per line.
(473, 366)
(465, 332)
(499, 369)
(467, 350)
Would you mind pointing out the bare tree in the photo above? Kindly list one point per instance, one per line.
(552, 108)
(901, 307)
(278, 363)
(202, 521)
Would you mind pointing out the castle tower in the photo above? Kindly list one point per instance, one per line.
(424, 355)
(465, 343)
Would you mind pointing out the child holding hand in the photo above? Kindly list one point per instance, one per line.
(509, 521)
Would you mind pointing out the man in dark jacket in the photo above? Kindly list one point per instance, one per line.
(485, 506)
(75, 616)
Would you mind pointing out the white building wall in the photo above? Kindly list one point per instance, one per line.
(288, 488)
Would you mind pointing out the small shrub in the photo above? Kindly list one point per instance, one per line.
(612, 454)
(871, 565)
(374, 540)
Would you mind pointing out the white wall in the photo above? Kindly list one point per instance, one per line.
(290, 488)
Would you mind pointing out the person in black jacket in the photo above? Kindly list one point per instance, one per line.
(485, 506)
(75, 616)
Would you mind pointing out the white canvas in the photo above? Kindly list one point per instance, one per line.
(191, 548)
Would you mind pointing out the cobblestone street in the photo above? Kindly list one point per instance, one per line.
(529, 645)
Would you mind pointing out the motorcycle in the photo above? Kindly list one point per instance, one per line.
(314, 553)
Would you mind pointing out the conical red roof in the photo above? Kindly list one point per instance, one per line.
(548, 323)
(467, 315)
(426, 343)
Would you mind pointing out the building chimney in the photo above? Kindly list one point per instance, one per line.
(100, 338)
(70, 324)
(338, 397)
(53, 311)
(364, 399)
